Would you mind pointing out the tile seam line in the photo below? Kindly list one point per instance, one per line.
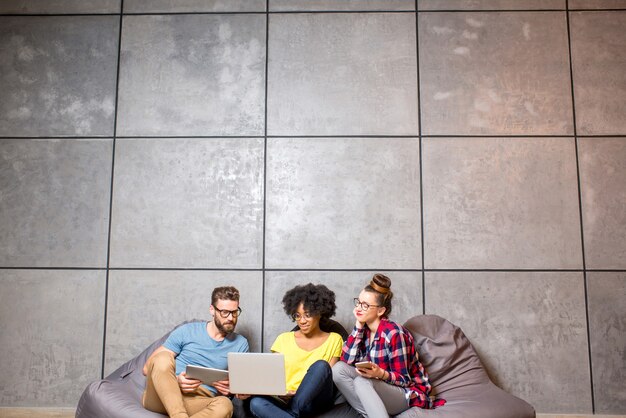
(580, 207)
(264, 238)
(493, 11)
(303, 269)
(108, 255)
(53, 268)
(57, 14)
(108, 137)
(426, 270)
(421, 159)
(209, 13)
(274, 12)
(286, 12)
(192, 137)
(520, 10)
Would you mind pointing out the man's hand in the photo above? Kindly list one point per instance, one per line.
(222, 386)
(187, 385)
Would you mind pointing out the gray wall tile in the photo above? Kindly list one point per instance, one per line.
(598, 55)
(495, 73)
(343, 74)
(529, 329)
(60, 6)
(181, 6)
(498, 203)
(332, 5)
(343, 203)
(52, 328)
(197, 202)
(597, 4)
(192, 75)
(144, 305)
(54, 201)
(607, 325)
(58, 75)
(406, 303)
(602, 180)
(490, 4)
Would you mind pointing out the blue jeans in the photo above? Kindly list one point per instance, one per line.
(315, 395)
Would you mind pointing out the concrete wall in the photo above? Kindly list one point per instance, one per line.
(475, 151)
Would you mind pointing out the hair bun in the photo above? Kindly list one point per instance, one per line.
(381, 283)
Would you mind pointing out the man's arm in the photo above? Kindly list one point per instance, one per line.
(157, 351)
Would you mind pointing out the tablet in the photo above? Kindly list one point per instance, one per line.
(206, 374)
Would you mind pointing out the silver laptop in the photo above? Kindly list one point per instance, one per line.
(257, 373)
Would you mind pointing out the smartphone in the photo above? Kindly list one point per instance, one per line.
(364, 365)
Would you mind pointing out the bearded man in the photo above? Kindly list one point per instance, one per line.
(168, 390)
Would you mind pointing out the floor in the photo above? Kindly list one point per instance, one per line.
(37, 412)
(69, 413)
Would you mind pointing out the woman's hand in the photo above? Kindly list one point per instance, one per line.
(373, 373)
(358, 324)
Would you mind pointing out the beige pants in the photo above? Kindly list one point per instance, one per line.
(163, 394)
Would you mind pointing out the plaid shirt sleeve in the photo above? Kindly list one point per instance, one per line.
(398, 351)
(354, 348)
(405, 369)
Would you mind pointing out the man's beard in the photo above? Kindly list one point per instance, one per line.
(222, 328)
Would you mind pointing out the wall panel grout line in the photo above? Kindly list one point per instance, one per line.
(421, 159)
(108, 255)
(321, 11)
(492, 11)
(453, 136)
(429, 270)
(580, 207)
(263, 295)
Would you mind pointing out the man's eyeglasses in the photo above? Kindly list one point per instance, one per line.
(364, 305)
(225, 312)
(297, 317)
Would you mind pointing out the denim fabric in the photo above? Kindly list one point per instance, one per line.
(314, 396)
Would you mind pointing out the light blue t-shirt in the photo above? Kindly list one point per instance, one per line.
(192, 345)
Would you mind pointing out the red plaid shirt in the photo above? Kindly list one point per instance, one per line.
(393, 350)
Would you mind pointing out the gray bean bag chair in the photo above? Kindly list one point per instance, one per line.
(119, 394)
(458, 376)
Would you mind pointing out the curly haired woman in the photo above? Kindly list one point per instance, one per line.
(309, 355)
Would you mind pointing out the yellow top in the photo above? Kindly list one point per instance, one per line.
(298, 361)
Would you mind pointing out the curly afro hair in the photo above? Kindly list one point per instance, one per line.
(316, 300)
